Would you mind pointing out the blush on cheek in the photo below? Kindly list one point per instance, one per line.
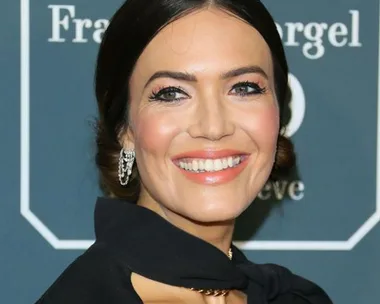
(268, 123)
(154, 131)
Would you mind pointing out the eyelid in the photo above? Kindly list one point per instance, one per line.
(170, 87)
(248, 83)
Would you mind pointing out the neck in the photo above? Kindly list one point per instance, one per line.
(218, 234)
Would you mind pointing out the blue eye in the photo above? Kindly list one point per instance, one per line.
(247, 88)
(169, 94)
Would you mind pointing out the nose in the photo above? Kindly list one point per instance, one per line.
(212, 120)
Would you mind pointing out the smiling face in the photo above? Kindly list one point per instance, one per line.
(203, 117)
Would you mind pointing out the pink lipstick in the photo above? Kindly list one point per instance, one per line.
(211, 167)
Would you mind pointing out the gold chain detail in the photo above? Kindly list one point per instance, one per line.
(230, 253)
(212, 292)
(215, 292)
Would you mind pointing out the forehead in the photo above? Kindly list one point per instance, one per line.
(206, 41)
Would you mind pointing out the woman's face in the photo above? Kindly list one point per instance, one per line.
(204, 119)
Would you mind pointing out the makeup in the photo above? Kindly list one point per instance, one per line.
(211, 167)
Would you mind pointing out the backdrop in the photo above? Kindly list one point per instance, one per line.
(322, 222)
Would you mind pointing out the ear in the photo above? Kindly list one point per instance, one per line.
(127, 138)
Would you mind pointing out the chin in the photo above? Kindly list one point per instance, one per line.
(215, 212)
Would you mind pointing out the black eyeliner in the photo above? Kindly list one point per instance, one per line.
(253, 85)
(155, 96)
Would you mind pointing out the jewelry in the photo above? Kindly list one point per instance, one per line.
(126, 160)
(215, 292)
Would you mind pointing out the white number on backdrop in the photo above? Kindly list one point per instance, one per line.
(297, 106)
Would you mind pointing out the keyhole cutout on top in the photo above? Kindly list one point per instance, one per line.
(151, 291)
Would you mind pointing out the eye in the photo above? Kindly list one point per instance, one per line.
(247, 88)
(169, 94)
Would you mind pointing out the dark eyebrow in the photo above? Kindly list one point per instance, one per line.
(173, 75)
(254, 69)
(191, 78)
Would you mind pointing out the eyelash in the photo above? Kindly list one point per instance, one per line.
(253, 85)
(157, 95)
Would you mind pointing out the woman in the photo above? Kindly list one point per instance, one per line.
(190, 96)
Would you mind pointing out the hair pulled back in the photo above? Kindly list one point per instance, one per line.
(130, 30)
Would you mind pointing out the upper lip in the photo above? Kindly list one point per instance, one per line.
(209, 154)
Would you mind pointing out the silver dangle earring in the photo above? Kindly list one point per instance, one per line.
(126, 160)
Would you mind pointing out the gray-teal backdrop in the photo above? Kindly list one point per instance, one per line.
(322, 222)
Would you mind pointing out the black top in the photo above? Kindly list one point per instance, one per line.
(131, 238)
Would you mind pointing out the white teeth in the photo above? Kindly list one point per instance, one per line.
(218, 165)
(209, 165)
(194, 165)
(201, 164)
(225, 163)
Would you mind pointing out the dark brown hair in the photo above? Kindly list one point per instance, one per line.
(130, 30)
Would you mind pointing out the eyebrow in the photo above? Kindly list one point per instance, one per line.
(252, 69)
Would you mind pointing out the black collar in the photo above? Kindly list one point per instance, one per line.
(154, 248)
(151, 246)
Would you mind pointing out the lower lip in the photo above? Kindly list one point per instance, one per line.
(217, 177)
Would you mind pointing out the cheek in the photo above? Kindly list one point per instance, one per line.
(265, 127)
(154, 131)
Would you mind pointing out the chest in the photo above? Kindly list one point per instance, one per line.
(153, 292)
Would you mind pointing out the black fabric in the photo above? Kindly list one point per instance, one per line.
(131, 238)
